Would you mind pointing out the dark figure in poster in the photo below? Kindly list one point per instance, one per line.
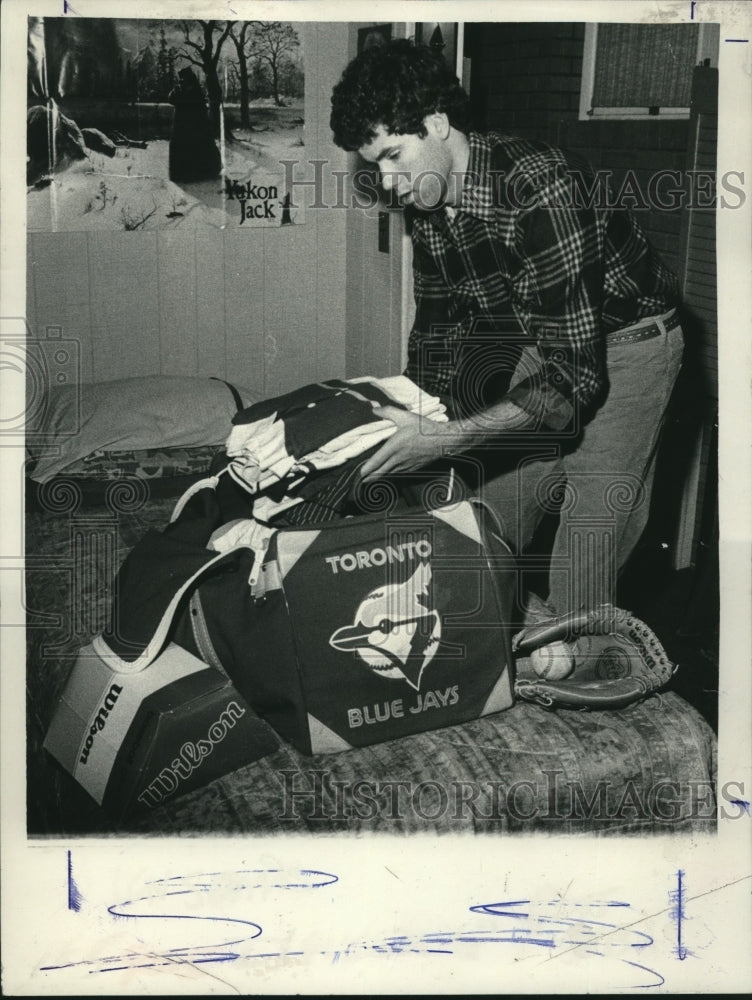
(286, 215)
(193, 152)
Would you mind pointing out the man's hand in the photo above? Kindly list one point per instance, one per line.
(417, 441)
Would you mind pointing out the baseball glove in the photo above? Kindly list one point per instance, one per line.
(617, 660)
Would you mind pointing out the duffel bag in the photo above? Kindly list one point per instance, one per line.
(341, 635)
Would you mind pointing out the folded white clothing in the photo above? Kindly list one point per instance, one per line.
(403, 390)
(259, 479)
(335, 427)
(264, 508)
(348, 446)
(260, 433)
(242, 532)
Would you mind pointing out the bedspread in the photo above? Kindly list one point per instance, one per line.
(647, 768)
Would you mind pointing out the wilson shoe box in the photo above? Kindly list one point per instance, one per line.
(137, 740)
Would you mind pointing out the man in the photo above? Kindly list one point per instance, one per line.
(574, 396)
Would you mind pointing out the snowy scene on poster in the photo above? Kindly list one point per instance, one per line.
(153, 124)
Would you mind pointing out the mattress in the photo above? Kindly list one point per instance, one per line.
(647, 768)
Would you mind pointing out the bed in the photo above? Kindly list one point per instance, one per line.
(646, 768)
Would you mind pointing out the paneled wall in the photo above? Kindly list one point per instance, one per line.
(264, 308)
(375, 321)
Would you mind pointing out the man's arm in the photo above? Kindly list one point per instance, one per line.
(419, 441)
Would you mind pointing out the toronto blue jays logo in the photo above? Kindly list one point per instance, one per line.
(396, 633)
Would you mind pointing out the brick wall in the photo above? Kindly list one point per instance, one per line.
(526, 80)
(525, 77)
(644, 148)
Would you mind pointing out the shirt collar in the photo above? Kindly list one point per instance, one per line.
(477, 190)
(477, 193)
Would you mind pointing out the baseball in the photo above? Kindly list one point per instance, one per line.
(554, 662)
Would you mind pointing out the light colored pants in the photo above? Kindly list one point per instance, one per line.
(603, 486)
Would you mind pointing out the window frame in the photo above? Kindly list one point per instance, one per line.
(707, 49)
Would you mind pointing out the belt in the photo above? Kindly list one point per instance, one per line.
(653, 326)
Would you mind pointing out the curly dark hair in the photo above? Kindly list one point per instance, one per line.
(395, 85)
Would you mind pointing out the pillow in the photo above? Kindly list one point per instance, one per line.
(132, 414)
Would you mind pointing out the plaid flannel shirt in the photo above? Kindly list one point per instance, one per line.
(521, 261)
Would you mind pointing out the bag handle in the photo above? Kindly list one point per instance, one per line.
(489, 511)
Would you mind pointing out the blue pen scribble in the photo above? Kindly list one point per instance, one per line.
(168, 901)
(742, 803)
(556, 926)
(560, 924)
(659, 980)
(678, 913)
(169, 905)
(74, 896)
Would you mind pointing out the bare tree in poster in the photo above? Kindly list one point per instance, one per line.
(239, 36)
(165, 66)
(205, 54)
(270, 43)
(232, 82)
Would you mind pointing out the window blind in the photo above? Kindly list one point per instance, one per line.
(644, 65)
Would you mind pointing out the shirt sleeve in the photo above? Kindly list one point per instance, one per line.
(559, 293)
(432, 345)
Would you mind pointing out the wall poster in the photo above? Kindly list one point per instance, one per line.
(136, 124)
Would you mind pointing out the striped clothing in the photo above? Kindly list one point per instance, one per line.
(522, 260)
(300, 453)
